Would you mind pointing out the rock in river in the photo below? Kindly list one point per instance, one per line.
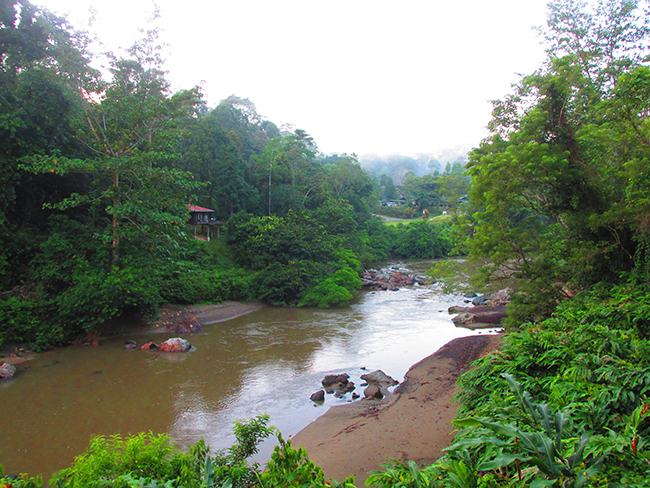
(337, 383)
(318, 397)
(7, 370)
(175, 344)
(378, 384)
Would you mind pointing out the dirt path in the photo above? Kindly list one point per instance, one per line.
(413, 424)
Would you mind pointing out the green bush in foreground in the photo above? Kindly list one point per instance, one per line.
(149, 460)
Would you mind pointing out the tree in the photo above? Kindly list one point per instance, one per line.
(346, 180)
(551, 186)
(605, 38)
(245, 126)
(212, 157)
(38, 53)
(134, 117)
(387, 188)
(284, 172)
(294, 255)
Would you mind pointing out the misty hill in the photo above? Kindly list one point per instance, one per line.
(396, 166)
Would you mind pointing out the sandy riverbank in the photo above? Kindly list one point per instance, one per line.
(414, 423)
(205, 314)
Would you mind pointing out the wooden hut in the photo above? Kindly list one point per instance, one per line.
(202, 218)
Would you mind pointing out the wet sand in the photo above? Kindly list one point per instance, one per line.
(414, 423)
(205, 314)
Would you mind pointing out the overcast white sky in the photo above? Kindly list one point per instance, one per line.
(360, 76)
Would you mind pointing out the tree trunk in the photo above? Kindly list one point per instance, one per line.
(116, 236)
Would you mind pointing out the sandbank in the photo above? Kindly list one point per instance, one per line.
(413, 423)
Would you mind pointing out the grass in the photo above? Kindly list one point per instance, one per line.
(440, 219)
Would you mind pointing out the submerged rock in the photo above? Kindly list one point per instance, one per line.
(188, 326)
(149, 345)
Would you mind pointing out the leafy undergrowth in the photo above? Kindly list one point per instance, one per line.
(563, 403)
(152, 461)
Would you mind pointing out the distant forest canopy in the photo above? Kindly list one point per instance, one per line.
(397, 166)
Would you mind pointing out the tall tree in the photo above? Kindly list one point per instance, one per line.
(213, 157)
(38, 51)
(285, 172)
(128, 122)
(551, 185)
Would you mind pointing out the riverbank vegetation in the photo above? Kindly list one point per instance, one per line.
(559, 200)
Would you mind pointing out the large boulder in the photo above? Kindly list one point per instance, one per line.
(501, 297)
(378, 384)
(175, 344)
(379, 377)
(489, 310)
(7, 370)
(494, 299)
(483, 319)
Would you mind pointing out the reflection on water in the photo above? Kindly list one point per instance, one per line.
(268, 361)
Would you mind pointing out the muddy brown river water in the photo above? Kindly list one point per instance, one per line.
(269, 361)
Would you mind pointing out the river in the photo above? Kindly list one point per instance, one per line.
(269, 361)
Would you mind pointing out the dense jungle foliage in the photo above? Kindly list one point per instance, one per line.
(93, 227)
(96, 173)
(559, 200)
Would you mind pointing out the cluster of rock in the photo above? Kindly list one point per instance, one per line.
(175, 344)
(337, 384)
(178, 321)
(390, 279)
(377, 384)
(7, 370)
(187, 326)
(488, 310)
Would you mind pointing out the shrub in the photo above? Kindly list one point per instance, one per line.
(196, 285)
(292, 467)
(420, 239)
(152, 460)
(34, 322)
(98, 296)
(335, 291)
(399, 212)
(109, 459)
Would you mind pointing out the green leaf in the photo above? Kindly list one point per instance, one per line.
(502, 460)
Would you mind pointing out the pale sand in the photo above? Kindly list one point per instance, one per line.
(414, 423)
